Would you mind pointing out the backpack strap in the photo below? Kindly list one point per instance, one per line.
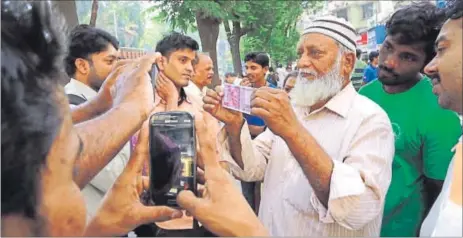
(75, 100)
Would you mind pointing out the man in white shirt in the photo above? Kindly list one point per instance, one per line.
(326, 161)
(232, 78)
(92, 55)
(445, 216)
(204, 71)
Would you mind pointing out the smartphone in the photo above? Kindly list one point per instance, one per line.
(153, 72)
(172, 156)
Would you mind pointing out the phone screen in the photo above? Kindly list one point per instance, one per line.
(173, 156)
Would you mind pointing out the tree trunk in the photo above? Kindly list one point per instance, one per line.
(208, 28)
(69, 11)
(94, 13)
(234, 37)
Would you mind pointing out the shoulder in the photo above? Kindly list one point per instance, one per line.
(71, 88)
(372, 87)
(365, 109)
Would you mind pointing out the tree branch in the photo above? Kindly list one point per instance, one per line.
(247, 30)
(226, 24)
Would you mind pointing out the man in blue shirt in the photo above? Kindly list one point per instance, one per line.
(370, 72)
(257, 66)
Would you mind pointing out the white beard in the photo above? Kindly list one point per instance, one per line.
(308, 92)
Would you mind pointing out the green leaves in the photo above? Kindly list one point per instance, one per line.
(277, 34)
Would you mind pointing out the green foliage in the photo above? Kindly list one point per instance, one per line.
(181, 15)
(268, 25)
(123, 19)
(279, 36)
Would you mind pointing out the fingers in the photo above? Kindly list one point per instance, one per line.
(122, 62)
(141, 150)
(258, 102)
(263, 93)
(260, 112)
(200, 178)
(215, 95)
(193, 205)
(211, 101)
(219, 90)
(150, 214)
(146, 62)
(146, 183)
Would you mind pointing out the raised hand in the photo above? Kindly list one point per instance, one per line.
(213, 105)
(133, 86)
(121, 210)
(222, 208)
(166, 89)
(274, 107)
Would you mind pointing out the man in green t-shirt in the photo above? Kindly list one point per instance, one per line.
(425, 133)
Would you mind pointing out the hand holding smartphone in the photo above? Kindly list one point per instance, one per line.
(172, 156)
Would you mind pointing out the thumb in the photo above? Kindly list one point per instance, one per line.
(187, 200)
(150, 214)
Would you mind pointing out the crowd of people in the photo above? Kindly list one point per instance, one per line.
(328, 150)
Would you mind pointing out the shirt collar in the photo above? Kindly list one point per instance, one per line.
(341, 102)
(81, 88)
(193, 88)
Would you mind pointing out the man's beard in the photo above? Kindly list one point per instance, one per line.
(308, 92)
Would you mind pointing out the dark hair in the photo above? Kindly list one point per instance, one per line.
(230, 74)
(373, 55)
(291, 74)
(358, 53)
(258, 58)
(33, 49)
(454, 9)
(175, 41)
(84, 41)
(417, 22)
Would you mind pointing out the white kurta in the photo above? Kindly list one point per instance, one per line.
(358, 136)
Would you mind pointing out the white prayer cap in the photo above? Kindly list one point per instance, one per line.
(336, 28)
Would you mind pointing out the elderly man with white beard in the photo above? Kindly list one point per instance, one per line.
(325, 160)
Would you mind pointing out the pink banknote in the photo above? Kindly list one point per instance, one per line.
(237, 98)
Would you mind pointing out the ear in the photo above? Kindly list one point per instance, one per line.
(162, 63)
(82, 66)
(265, 69)
(348, 63)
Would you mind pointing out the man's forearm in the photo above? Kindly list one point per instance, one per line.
(86, 111)
(103, 138)
(316, 164)
(234, 138)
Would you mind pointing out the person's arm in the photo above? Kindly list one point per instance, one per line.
(349, 191)
(438, 142)
(102, 102)
(222, 209)
(87, 111)
(247, 158)
(103, 138)
(106, 177)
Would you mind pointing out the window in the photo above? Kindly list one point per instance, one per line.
(367, 10)
(342, 14)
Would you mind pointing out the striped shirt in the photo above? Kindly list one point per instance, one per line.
(357, 75)
(358, 136)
